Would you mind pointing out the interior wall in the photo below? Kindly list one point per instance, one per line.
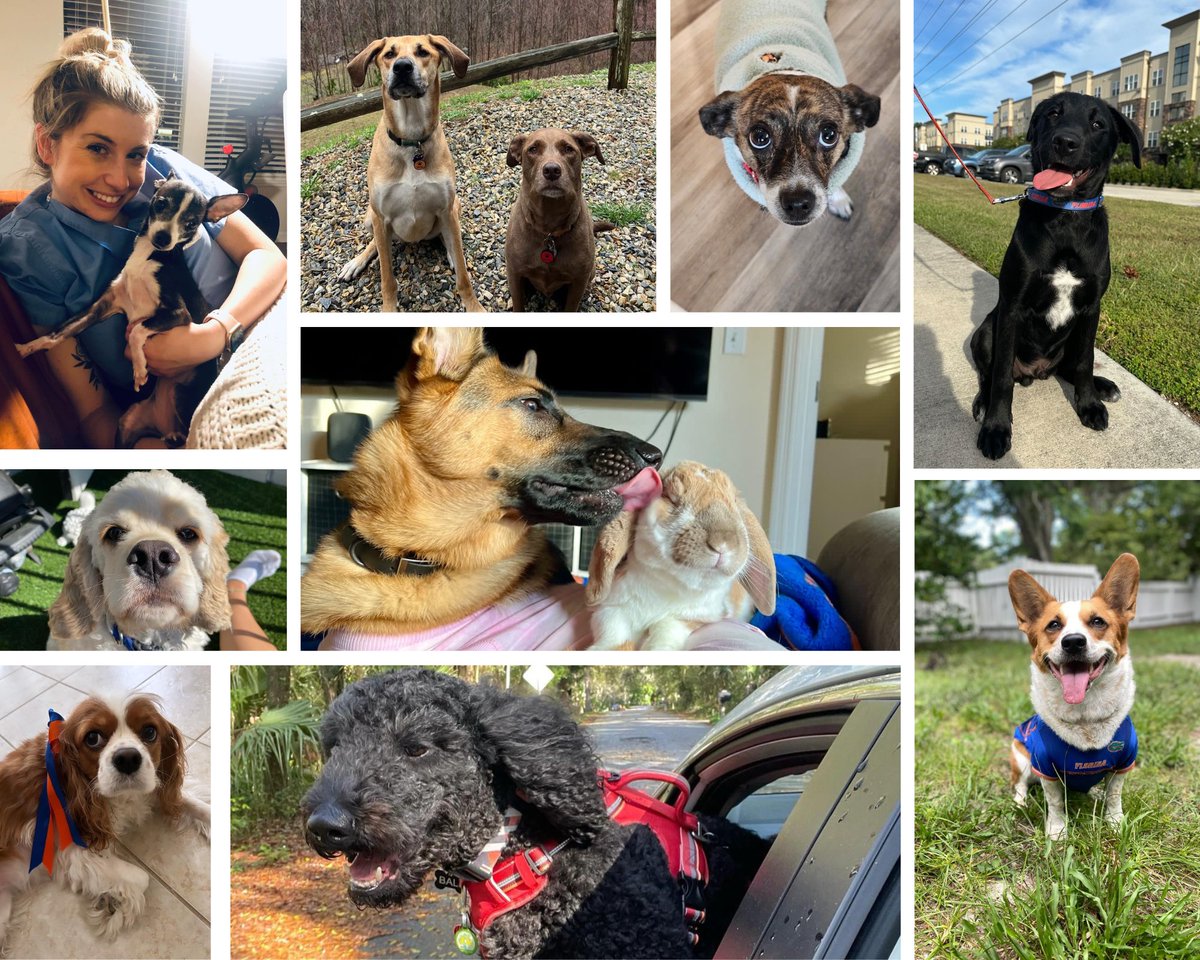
(38, 28)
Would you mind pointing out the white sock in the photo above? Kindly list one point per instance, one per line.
(258, 565)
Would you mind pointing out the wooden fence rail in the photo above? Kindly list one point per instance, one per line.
(370, 101)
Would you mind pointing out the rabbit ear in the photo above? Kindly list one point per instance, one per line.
(80, 605)
(612, 544)
(758, 576)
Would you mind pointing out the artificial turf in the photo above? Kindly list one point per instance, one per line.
(254, 515)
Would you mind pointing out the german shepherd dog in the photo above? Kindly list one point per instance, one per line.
(445, 494)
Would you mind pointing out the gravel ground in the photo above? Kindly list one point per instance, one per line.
(334, 200)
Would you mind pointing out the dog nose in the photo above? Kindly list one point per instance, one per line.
(1074, 643)
(551, 171)
(127, 761)
(404, 67)
(797, 203)
(649, 453)
(152, 559)
(1065, 142)
(161, 239)
(330, 826)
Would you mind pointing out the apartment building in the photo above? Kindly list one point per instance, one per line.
(1152, 90)
(967, 131)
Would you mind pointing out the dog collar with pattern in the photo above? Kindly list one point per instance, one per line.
(128, 642)
(370, 557)
(1078, 206)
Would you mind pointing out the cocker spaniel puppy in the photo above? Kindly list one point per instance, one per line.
(113, 760)
(148, 572)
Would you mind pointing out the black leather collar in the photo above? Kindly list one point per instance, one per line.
(370, 557)
(400, 141)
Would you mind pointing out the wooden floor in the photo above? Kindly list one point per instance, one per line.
(726, 253)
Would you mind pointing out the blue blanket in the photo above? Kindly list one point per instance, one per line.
(805, 616)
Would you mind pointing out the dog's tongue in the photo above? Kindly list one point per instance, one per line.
(1052, 179)
(643, 489)
(1074, 684)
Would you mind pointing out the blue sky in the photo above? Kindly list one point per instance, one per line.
(1081, 35)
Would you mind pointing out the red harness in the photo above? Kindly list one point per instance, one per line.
(518, 879)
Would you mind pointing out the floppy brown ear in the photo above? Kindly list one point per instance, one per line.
(221, 207)
(459, 61)
(863, 107)
(448, 352)
(716, 116)
(1119, 587)
(587, 145)
(172, 770)
(1029, 599)
(758, 576)
(515, 146)
(612, 544)
(357, 68)
(79, 608)
(215, 613)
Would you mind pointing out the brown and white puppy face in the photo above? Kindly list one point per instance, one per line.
(791, 130)
(409, 66)
(1078, 642)
(551, 160)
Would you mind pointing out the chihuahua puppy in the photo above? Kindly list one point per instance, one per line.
(792, 126)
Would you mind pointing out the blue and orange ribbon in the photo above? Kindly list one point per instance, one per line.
(54, 828)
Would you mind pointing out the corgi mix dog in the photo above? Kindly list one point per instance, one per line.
(1082, 689)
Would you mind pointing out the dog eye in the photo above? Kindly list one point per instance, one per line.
(93, 739)
(149, 733)
(760, 138)
(187, 534)
(113, 535)
(533, 404)
(829, 135)
(1097, 125)
(422, 52)
(1053, 625)
(159, 204)
(1097, 622)
(415, 751)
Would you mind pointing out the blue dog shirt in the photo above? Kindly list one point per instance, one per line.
(1055, 759)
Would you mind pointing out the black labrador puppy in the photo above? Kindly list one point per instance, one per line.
(1055, 270)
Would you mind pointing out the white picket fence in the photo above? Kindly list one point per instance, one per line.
(986, 606)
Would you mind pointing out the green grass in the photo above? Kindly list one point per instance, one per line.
(254, 515)
(622, 214)
(988, 883)
(310, 186)
(1148, 316)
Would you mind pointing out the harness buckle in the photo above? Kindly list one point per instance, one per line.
(542, 870)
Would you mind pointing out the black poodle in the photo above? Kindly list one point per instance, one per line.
(420, 767)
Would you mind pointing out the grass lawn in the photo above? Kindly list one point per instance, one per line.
(987, 883)
(254, 515)
(1148, 317)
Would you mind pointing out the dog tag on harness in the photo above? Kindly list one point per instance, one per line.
(549, 251)
(465, 941)
(418, 160)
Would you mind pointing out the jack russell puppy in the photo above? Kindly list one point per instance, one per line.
(1082, 689)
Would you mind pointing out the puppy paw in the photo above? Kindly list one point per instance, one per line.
(994, 440)
(1056, 829)
(1094, 415)
(838, 203)
(1113, 817)
(350, 269)
(1024, 381)
(1108, 390)
(120, 907)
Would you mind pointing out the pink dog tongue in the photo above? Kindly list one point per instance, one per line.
(1051, 179)
(641, 490)
(1074, 685)
(364, 866)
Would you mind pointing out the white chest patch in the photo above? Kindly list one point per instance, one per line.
(136, 289)
(1064, 283)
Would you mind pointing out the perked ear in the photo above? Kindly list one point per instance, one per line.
(459, 61)
(1029, 599)
(547, 758)
(215, 613)
(613, 543)
(716, 116)
(357, 68)
(1130, 135)
(1119, 587)
(515, 146)
(79, 608)
(448, 352)
(587, 145)
(528, 367)
(758, 576)
(863, 107)
(221, 207)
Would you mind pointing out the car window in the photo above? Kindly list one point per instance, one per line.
(765, 810)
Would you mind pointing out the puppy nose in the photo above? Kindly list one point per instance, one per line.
(1065, 142)
(797, 203)
(161, 239)
(1074, 643)
(650, 454)
(330, 826)
(127, 761)
(551, 171)
(152, 559)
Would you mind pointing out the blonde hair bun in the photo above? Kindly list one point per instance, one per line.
(93, 40)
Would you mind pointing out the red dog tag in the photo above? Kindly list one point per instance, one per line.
(549, 251)
(418, 160)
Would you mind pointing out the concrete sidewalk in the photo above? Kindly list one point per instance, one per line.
(951, 296)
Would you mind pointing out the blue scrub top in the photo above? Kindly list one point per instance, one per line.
(58, 261)
(1055, 759)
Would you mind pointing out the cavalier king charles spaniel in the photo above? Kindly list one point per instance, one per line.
(148, 572)
(113, 761)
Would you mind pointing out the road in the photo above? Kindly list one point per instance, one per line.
(623, 738)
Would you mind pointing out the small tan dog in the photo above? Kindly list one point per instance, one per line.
(551, 245)
(410, 176)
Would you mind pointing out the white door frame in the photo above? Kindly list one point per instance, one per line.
(795, 439)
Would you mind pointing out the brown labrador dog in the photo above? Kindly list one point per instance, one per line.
(551, 245)
(445, 494)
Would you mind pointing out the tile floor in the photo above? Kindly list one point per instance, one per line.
(177, 918)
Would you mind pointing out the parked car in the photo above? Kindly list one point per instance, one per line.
(972, 160)
(1012, 167)
(930, 162)
(811, 758)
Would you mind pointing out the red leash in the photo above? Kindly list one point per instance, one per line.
(967, 169)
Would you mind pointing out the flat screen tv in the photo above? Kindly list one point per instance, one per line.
(644, 363)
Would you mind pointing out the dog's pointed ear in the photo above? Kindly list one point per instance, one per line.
(545, 755)
(221, 207)
(459, 61)
(587, 145)
(528, 366)
(758, 577)
(1029, 599)
(357, 68)
(515, 146)
(448, 352)
(79, 608)
(613, 543)
(1119, 587)
(862, 106)
(716, 116)
(1128, 133)
(215, 613)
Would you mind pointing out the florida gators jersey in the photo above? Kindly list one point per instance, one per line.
(1055, 759)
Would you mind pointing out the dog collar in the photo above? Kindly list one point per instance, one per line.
(53, 828)
(128, 642)
(418, 160)
(370, 557)
(1043, 198)
(753, 176)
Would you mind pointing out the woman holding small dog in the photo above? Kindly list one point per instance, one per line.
(95, 119)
